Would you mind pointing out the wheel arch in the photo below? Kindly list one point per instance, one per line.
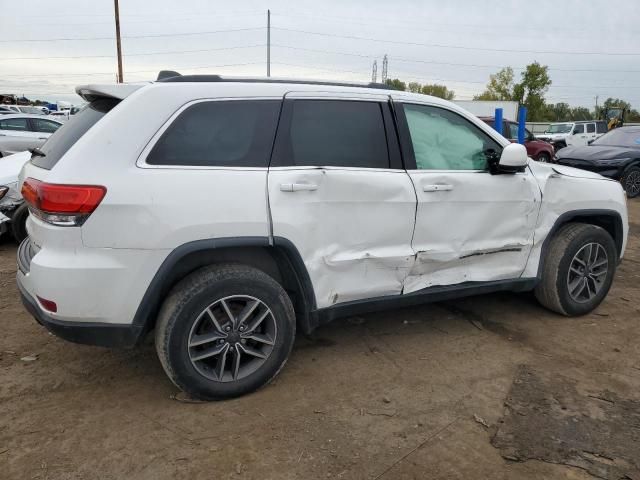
(609, 220)
(279, 259)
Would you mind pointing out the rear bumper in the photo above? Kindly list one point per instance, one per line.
(88, 333)
(99, 334)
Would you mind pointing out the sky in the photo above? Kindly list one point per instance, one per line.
(592, 47)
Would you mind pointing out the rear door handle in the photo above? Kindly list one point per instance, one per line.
(42, 138)
(437, 188)
(298, 187)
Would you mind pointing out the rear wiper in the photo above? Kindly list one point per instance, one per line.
(37, 152)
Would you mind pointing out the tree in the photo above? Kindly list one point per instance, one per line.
(580, 113)
(500, 86)
(440, 91)
(531, 89)
(396, 84)
(414, 87)
(558, 112)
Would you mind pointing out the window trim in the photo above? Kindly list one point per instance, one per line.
(141, 161)
(394, 158)
(408, 153)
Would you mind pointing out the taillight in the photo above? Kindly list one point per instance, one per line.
(63, 205)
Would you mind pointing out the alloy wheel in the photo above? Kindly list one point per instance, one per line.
(232, 338)
(632, 183)
(587, 272)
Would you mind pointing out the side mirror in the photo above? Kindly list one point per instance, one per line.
(514, 159)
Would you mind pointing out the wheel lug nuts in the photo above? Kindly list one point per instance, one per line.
(227, 329)
(242, 328)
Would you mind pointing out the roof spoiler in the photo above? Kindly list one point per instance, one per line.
(118, 91)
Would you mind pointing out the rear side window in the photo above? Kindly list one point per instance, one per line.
(14, 124)
(591, 128)
(44, 126)
(68, 134)
(237, 133)
(335, 133)
(601, 127)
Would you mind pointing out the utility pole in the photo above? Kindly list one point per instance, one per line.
(385, 65)
(374, 73)
(119, 48)
(268, 43)
(597, 107)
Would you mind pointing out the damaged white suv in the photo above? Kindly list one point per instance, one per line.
(224, 214)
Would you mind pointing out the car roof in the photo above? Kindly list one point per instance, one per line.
(26, 115)
(243, 87)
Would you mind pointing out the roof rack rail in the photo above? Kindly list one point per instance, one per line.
(169, 76)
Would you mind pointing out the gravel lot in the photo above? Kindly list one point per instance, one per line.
(486, 387)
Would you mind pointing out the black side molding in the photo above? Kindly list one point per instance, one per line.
(427, 295)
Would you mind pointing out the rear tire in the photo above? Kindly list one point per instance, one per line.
(578, 269)
(205, 313)
(19, 222)
(631, 182)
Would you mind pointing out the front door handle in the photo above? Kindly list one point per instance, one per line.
(437, 188)
(298, 187)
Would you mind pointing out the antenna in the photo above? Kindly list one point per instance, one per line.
(385, 65)
(374, 72)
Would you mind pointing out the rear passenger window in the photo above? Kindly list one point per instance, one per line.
(219, 134)
(335, 133)
(591, 128)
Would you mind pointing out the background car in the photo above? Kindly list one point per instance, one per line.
(13, 210)
(537, 149)
(20, 132)
(615, 155)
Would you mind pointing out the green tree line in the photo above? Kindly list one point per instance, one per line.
(529, 91)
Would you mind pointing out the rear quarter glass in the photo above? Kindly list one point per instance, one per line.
(68, 134)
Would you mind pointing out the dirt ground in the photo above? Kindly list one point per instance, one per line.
(487, 387)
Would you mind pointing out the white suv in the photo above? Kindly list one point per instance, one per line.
(226, 213)
(573, 134)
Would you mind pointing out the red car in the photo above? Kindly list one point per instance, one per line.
(537, 149)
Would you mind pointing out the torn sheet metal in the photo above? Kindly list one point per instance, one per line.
(353, 229)
(479, 229)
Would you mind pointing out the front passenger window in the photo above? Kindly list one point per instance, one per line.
(443, 140)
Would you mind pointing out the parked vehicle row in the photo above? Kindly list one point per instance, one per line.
(21, 132)
(299, 202)
(537, 149)
(615, 155)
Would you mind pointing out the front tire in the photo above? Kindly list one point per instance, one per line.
(225, 331)
(578, 269)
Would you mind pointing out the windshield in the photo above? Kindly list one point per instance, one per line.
(63, 139)
(620, 137)
(559, 128)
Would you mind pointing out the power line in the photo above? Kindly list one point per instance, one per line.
(139, 54)
(414, 60)
(458, 47)
(157, 35)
